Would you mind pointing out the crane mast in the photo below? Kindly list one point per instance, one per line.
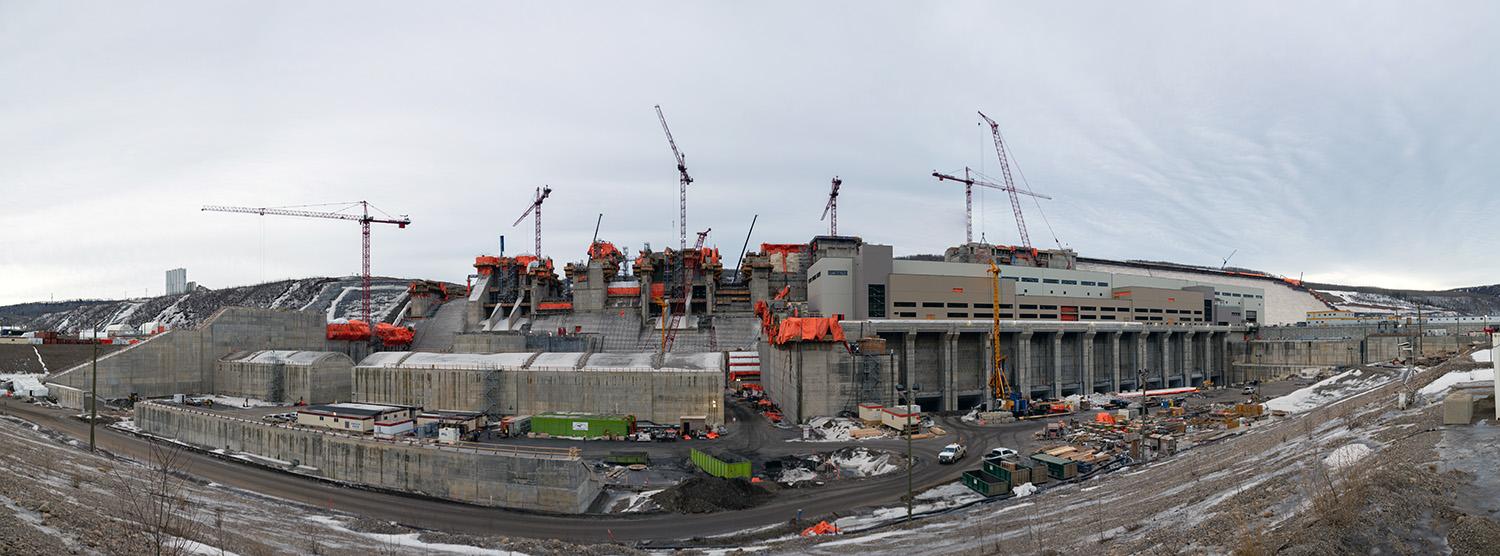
(683, 179)
(1015, 201)
(536, 206)
(831, 210)
(363, 218)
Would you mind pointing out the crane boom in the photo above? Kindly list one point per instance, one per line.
(969, 183)
(1015, 201)
(363, 218)
(832, 208)
(683, 180)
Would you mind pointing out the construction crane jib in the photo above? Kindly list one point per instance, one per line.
(831, 210)
(683, 180)
(364, 219)
(536, 206)
(1010, 185)
(969, 183)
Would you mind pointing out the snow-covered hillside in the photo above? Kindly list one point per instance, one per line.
(336, 297)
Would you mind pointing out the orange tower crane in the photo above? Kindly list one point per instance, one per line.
(363, 218)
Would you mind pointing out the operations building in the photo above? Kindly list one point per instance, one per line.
(358, 417)
(648, 386)
(285, 376)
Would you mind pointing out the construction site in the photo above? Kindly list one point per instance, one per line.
(806, 395)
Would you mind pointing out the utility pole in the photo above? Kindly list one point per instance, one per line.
(94, 393)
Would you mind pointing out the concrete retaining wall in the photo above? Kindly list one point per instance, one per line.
(327, 380)
(1272, 359)
(542, 481)
(182, 361)
(660, 395)
(486, 342)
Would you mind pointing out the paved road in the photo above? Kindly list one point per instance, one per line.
(843, 497)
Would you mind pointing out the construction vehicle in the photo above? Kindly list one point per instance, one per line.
(1008, 399)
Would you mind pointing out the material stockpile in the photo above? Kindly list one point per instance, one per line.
(711, 494)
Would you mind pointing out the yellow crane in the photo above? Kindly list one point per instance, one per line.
(1000, 389)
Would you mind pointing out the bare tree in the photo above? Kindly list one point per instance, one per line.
(153, 499)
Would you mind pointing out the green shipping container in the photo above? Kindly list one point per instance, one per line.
(734, 469)
(584, 425)
(985, 484)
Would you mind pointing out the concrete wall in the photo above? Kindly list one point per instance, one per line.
(810, 379)
(485, 342)
(1271, 359)
(329, 379)
(541, 481)
(610, 383)
(182, 361)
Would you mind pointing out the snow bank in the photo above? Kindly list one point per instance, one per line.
(411, 543)
(1439, 388)
(1024, 490)
(1330, 390)
(1346, 455)
(796, 475)
(1481, 356)
(861, 462)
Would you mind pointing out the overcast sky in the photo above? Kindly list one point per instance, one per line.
(1353, 142)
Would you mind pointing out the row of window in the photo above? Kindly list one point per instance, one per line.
(1043, 316)
(1030, 307)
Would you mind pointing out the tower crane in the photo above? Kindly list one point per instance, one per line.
(969, 184)
(1010, 185)
(831, 210)
(536, 206)
(363, 218)
(683, 179)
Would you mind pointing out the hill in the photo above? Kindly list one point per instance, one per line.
(337, 297)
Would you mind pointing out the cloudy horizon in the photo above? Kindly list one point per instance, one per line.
(1343, 142)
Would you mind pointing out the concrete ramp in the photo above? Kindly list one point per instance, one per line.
(436, 334)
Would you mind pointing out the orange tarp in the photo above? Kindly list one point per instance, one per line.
(1104, 417)
(822, 528)
(393, 335)
(555, 305)
(623, 291)
(808, 329)
(354, 330)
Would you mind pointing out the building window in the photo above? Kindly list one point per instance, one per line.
(958, 315)
(1032, 307)
(984, 315)
(1070, 282)
(931, 304)
(907, 315)
(838, 273)
(1025, 279)
(958, 305)
(1027, 316)
(1088, 308)
(1049, 281)
(1107, 317)
(1048, 307)
(984, 306)
(876, 300)
(905, 303)
(1006, 306)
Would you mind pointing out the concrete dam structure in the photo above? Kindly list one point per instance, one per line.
(679, 385)
(547, 480)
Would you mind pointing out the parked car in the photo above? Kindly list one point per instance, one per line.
(952, 453)
(1248, 390)
(1002, 452)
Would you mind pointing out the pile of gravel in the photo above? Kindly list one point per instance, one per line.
(711, 494)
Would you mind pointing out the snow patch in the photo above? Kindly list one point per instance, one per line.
(410, 542)
(1482, 356)
(1327, 391)
(1024, 490)
(1439, 388)
(1346, 455)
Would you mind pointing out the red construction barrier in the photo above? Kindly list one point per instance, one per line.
(392, 335)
